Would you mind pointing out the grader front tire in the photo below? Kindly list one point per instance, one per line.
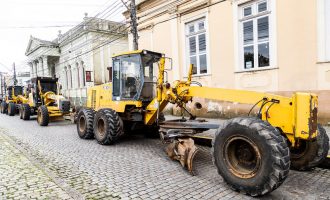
(11, 109)
(85, 121)
(43, 116)
(108, 126)
(20, 111)
(310, 153)
(26, 111)
(251, 155)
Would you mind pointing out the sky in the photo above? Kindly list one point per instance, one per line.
(19, 19)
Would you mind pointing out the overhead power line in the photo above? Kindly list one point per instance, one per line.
(33, 27)
(109, 13)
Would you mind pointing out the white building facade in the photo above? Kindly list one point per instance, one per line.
(80, 58)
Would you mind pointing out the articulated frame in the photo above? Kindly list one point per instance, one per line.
(296, 117)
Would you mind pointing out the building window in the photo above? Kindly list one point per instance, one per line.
(327, 27)
(323, 29)
(66, 71)
(69, 77)
(197, 46)
(255, 35)
(82, 69)
(78, 75)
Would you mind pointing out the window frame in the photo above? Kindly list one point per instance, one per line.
(323, 17)
(185, 24)
(255, 15)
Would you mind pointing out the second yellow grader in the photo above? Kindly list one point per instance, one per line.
(45, 101)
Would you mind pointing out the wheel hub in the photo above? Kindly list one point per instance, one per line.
(82, 124)
(101, 127)
(242, 157)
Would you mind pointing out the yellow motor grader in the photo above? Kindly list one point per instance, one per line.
(252, 154)
(45, 101)
(12, 100)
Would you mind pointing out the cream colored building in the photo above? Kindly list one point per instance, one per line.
(82, 53)
(278, 46)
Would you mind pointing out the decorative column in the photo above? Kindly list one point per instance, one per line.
(31, 69)
(40, 67)
(35, 67)
(45, 66)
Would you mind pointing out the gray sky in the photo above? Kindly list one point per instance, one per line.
(21, 18)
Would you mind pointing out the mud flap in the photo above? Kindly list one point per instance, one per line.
(183, 150)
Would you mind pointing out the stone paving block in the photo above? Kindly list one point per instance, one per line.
(134, 168)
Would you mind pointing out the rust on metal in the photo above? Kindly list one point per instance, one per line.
(183, 150)
(312, 122)
(242, 157)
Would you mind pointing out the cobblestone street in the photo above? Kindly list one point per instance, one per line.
(53, 163)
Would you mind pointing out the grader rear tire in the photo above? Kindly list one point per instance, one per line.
(26, 111)
(108, 126)
(43, 116)
(251, 155)
(20, 111)
(85, 121)
(310, 153)
(2, 106)
(11, 109)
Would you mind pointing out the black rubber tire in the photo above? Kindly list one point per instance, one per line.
(26, 111)
(273, 153)
(325, 164)
(312, 153)
(85, 121)
(108, 126)
(76, 111)
(323, 142)
(43, 116)
(20, 111)
(11, 109)
(4, 108)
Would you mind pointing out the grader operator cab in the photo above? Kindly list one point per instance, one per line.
(45, 101)
(13, 99)
(253, 154)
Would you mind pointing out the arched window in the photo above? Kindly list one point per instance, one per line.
(66, 71)
(83, 79)
(78, 75)
(70, 76)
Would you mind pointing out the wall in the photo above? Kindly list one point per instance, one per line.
(294, 29)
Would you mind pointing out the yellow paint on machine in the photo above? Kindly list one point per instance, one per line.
(101, 97)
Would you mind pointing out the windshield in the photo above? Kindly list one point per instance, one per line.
(18, 90)
(127, 77)
(48, 86)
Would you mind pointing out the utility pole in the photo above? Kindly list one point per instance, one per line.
(14, 77)
(134, 24)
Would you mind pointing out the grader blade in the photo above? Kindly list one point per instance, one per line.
(183, 150)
